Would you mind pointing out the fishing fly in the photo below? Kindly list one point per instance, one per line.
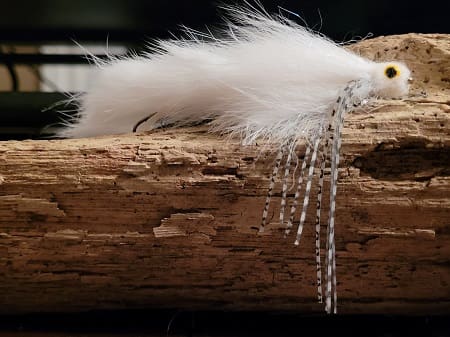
(266, 77)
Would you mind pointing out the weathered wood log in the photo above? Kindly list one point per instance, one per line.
(170, 218)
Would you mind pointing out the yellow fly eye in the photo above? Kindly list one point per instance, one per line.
(391, 71)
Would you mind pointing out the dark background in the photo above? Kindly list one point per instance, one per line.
(136, 20)
(171, 323)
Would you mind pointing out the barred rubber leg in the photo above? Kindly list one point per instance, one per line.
(342, 108)
(271, 186)
(328, 151)
(331, 248)
(329, 239)
(307, 191)
(337, 159)
(335, 120)
(318, 214)
(328, 270)
(333, 266)
(284, 188)
(298, 190)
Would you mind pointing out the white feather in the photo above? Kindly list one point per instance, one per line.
(268, 77)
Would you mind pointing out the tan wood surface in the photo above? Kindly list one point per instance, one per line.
(170, 218)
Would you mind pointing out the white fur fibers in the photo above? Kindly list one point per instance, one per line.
(268, 77)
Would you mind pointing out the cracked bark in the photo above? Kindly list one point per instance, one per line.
(170, 218)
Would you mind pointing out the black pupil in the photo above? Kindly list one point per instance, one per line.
(391, 72)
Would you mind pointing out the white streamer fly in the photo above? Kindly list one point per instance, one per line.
(265, 78)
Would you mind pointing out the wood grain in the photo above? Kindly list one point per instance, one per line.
(170, 218)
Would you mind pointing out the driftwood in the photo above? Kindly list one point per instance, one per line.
(170, 218)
